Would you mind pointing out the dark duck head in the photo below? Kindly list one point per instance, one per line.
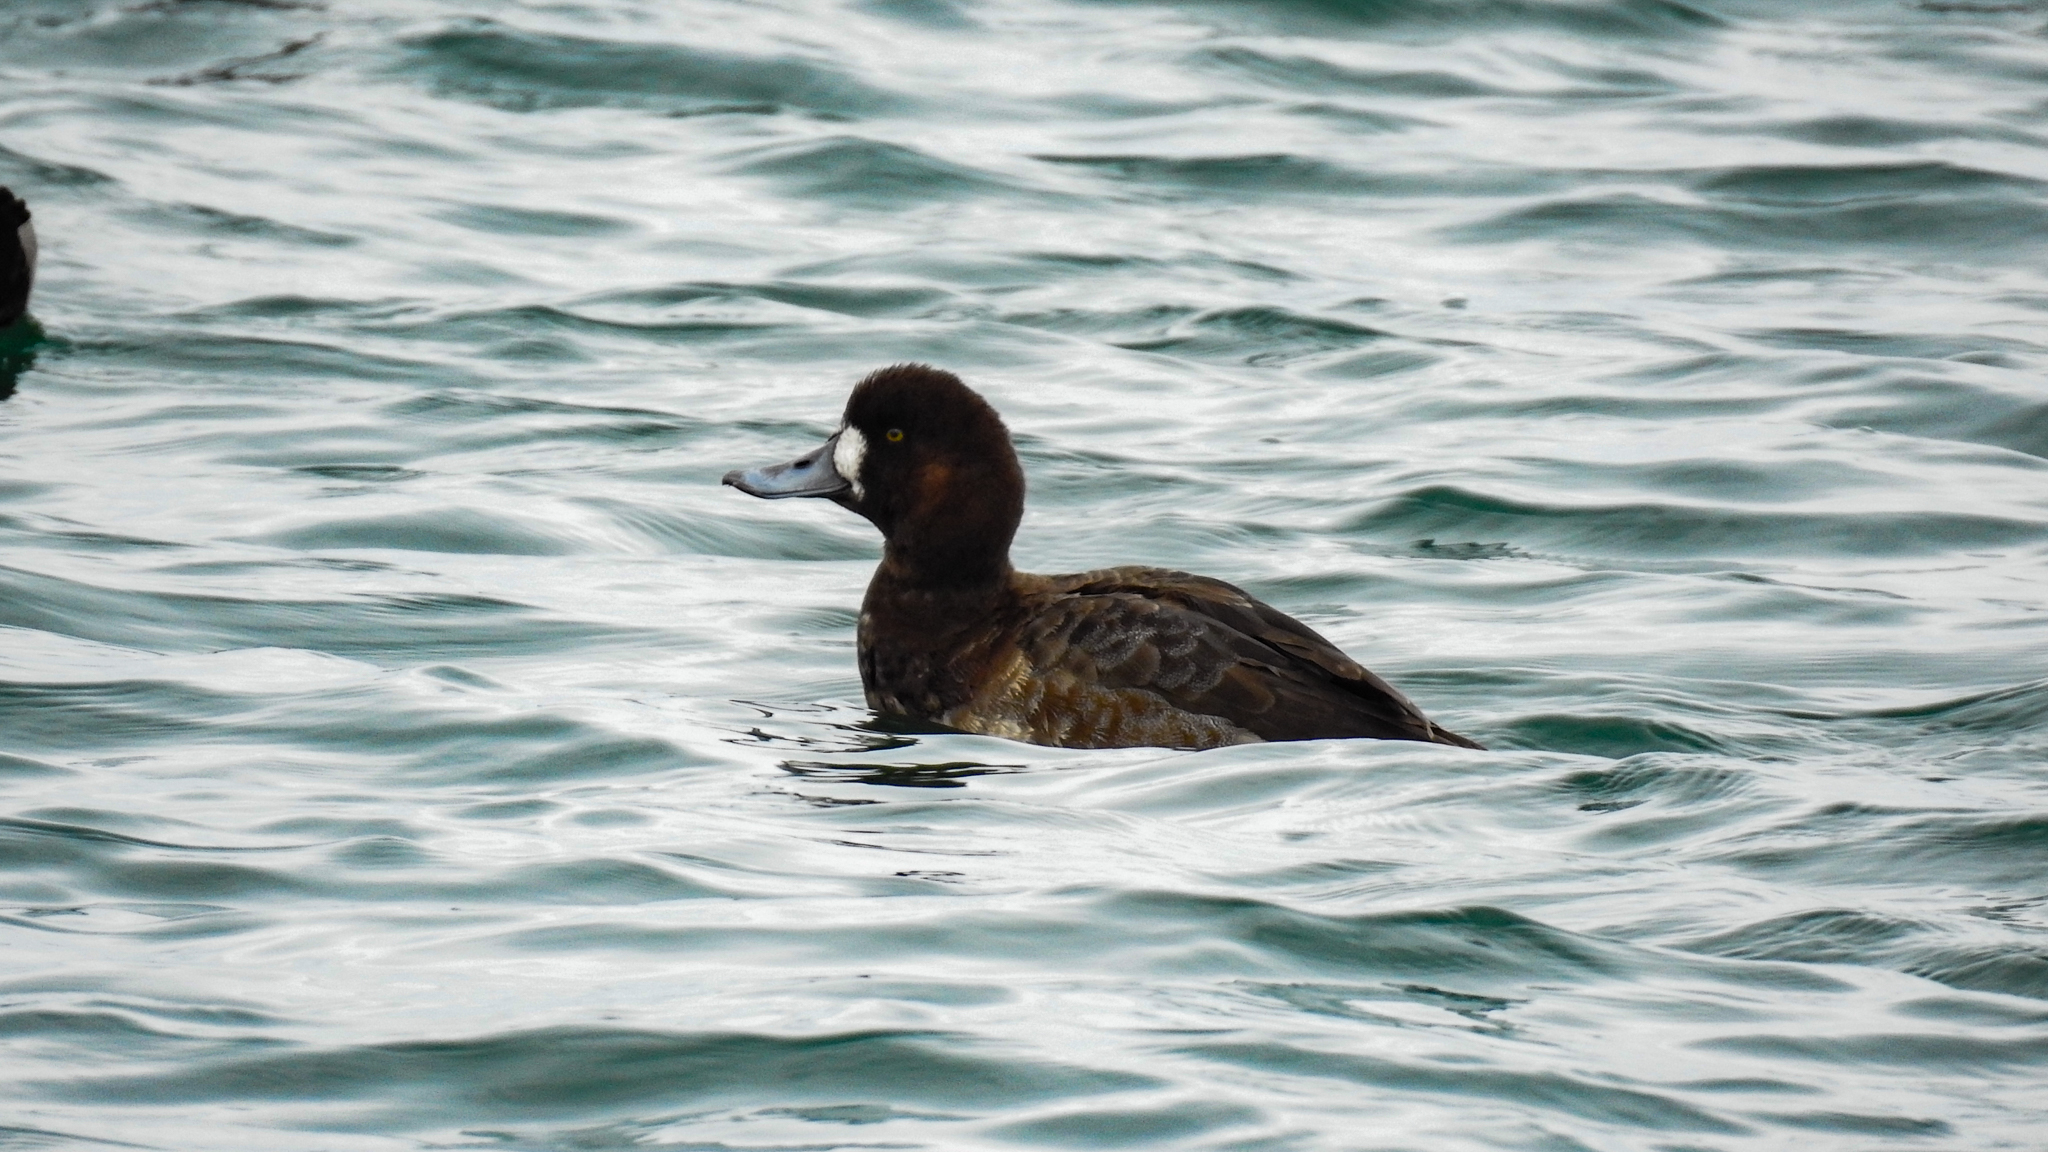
(928, 462)
(17, 257)
(950, 634)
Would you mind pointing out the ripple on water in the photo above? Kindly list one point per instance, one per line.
(870, 173)
(1659, 529)
(567, 1073)
(1931, 208)
(1438, 19)
(523, 71)
(402, 627)
(1942, 953)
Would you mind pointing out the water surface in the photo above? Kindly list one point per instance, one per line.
(406, 743)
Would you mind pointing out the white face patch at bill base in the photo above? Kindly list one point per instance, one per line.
(27, 232)
(847, 458)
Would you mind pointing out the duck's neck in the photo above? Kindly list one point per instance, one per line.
(955, 543)
(936, 589)
(925, 634)
(943, 573)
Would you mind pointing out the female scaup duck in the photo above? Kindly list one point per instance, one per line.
(1123, 657)
(17, 257)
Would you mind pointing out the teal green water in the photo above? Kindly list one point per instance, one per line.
(406, 743)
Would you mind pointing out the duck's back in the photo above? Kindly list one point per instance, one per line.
(1147, 656)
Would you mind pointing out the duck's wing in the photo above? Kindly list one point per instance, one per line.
(17, 257)
(1210, 648)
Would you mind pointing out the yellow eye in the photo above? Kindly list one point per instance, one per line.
(894, 434)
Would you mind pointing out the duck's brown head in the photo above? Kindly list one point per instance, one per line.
(925, 458)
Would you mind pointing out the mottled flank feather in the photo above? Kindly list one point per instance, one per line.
(1149, 656)
(1210, 648)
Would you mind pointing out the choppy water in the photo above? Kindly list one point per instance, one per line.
(404, 742)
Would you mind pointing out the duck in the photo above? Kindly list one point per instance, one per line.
(17, 257)
(951, 635)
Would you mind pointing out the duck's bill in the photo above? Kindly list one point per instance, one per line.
(810, 474)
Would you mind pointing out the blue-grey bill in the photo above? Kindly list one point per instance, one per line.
(810, 474)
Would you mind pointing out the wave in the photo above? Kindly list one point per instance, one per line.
(156, 351)
(1590, 733)
(1606, 1103)
(1833, 184)
(1443, 511)
(1866, 130)
(524, 71)
(1593, 19)
(402, 628)
(1307, 74)
(1894, 1050)
(871, 301)
(1257, 335)
(505, 220)
(1270, 173)
(218, 223)
(852, 170)
(445, 530)
(1869, 939)
(1986, 849)
(571, 1072)
(21, 168)
(2004, 711)
(571, 331)
(1927, 206)
(1482, 950)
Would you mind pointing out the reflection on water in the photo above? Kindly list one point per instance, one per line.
(405, 741)
(951, 774)
(19, 343)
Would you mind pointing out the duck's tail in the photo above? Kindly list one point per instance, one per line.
(1441, 735)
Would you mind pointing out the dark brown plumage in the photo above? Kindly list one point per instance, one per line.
(1123, 657)
(17, 257)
